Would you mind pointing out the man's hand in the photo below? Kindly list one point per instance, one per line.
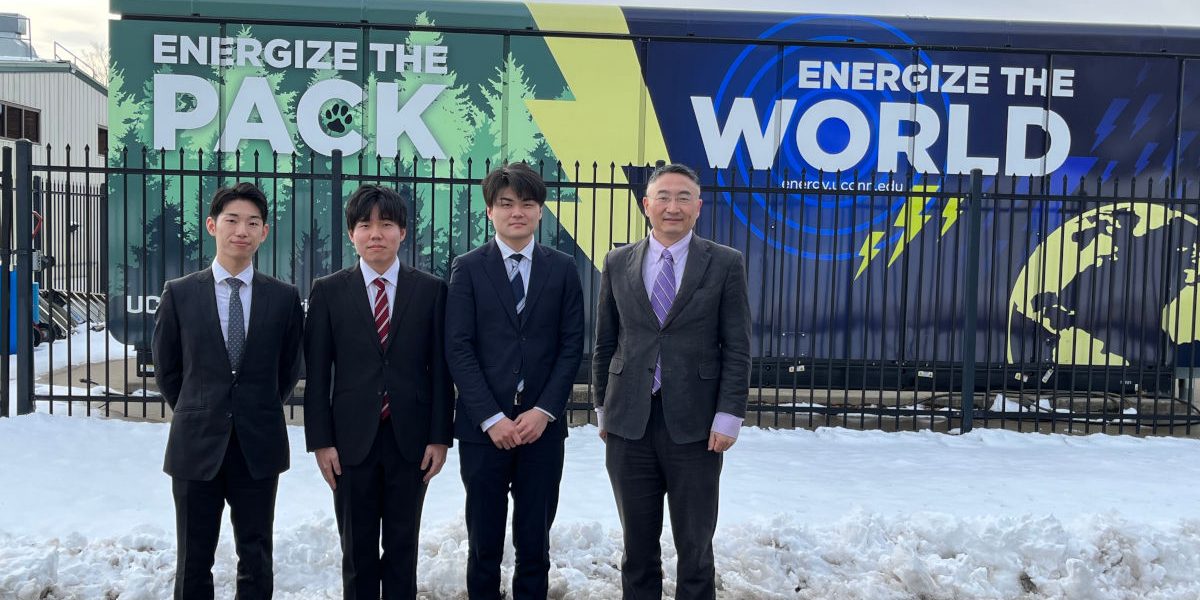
(504, 434)
(531, 424)
(719, 442)
(435, 457)
(330, 466)
(604, 435)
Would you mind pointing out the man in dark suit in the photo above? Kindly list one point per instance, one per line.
(671, 368)
(378, 401)
(227, 355)
(514, 339)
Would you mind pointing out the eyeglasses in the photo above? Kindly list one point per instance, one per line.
(680, 200)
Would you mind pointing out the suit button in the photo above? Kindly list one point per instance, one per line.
(516, 371)
(385, 362)
(228, 415)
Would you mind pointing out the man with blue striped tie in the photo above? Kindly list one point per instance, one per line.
(514, 339)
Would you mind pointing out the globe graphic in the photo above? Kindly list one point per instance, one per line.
(1114, 285)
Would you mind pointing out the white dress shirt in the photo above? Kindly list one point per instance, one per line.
(389, 278)
(524, 266)
(224, 291)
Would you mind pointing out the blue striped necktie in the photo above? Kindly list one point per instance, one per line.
(517, 282)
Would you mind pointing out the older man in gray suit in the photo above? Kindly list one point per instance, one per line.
(672, 369)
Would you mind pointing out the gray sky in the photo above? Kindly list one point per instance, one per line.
(78, 23)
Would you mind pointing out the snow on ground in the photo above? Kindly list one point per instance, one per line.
(84, 343)
(85, 512)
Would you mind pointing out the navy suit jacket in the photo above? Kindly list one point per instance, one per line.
(489, 348)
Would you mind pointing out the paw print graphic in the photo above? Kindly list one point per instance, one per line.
(337, 118)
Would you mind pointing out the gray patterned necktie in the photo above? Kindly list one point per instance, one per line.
(235, 337)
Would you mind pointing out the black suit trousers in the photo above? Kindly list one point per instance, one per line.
(643, 471)
(532, 473)
(198, 508)
(384, 490)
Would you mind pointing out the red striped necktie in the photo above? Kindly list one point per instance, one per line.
(383, 321)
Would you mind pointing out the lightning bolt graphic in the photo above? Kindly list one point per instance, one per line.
(1186, 139)
(1143, 115)
(604, 76)
(869, 251)
(949, 215)
(1144, 159)
(1112, 164)
(911, 220)
(1107, 122)
(1141, 76)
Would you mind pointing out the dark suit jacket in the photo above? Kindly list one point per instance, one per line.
(705, 343)
(347, 372)
(488, 346)
(191, 366)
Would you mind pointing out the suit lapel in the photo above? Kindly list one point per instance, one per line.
(260, 306)
(208, 292)
(359, 303)
(539, 272)
(399, 304)
(693, 273)
(493, 265)
(633, 271)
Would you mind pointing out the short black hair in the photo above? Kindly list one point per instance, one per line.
(523, 180)
(391, 205)
(677, 169)
(242, 191)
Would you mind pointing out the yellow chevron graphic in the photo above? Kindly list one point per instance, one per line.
(600, 125)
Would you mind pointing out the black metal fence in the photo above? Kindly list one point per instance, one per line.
(903, 302)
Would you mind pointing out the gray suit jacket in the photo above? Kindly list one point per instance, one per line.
(705, 343)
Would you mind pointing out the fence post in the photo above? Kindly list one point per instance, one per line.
(971, 299)
(6, 307)
(23, 218)
(39, 199)
(335, 213)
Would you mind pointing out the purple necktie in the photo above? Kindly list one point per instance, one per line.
(661, 300)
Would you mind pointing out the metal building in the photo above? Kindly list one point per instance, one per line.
(48, 101)
(56, 104)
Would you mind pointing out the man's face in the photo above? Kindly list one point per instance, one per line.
(377, 240)
(238, 230)
(515, 218)
(672, 203)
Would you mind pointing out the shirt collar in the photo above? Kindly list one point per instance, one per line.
(369, 274)
(677, 249)
(220, 274)
(506, 252)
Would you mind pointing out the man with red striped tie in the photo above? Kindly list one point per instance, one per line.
(378, 401)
